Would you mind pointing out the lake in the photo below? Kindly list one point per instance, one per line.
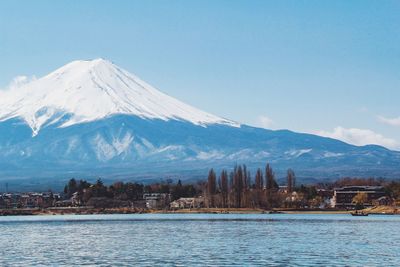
(200, 240)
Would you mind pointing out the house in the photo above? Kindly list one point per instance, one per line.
(9, 200)
(187, 203)
(27, 200)
(327, 198)
(283, 189)
(76, 199)
(292, 197)
(343, 196)
(63, 203)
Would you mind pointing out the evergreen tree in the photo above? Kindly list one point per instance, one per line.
(99, 190)
(272, 187)
(178, 190)
(71, 188)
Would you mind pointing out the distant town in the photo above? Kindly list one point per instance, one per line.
(236, 191)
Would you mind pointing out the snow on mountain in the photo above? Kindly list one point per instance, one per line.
(297, 153)
(85, 91)
(91, 119)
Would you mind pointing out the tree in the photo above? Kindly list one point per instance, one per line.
(246, 186)
(211, 183)
(259, 180)
(83, 185)
(134, 191)
(259, 186)
(99, 190)
(309, 192)
(211, 186)
(316, 202)
(223, 186)
(245, 178)
(177, 192)
(291, 180)
(269, 177)
(271, 186)
(238, 185)
(70, 188)
(360, 199)
(165, 188)
(393, 189)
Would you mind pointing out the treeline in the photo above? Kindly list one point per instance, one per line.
(83, 191)
(234, 189)
(238, 189)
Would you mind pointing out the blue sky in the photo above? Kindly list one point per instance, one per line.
(327, 67)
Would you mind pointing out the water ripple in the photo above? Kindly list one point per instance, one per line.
(199, 240)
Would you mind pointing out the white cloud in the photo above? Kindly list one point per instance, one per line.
(19, 81)
(360, 137)
(390, 121)
(264, 122)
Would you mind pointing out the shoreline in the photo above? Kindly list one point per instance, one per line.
(70, 211)
(381, 210)
(252, 211)
(98, 211)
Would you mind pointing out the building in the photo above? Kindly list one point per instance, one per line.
(283, 189)
(187, 203)
(327, 198)
(28, 200)
(383, 201)
(343, 196)
(76, 199)
(157, 200)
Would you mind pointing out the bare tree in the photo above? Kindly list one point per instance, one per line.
(259, 180)
(271, 187)
(291, 180)
(211, 187)
(224, 188)
(238, 185)
(269, 177)
(258, 188)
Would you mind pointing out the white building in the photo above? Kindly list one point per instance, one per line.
(187, 203)
(157, 200)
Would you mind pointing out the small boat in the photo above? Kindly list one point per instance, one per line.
(274, 212)
(356, 213)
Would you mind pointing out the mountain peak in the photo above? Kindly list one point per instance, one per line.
(85, 67)
(89, 90)
(89, 63)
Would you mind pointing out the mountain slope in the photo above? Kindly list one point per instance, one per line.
(91, 118)
(92, 90)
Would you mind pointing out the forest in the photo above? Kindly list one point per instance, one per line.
(234, 189)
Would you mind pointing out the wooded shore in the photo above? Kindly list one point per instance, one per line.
(91, 210)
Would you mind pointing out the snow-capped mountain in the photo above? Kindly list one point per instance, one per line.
(92, 118)
(92, 90)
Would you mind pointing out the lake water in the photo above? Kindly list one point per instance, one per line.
(200, 240)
